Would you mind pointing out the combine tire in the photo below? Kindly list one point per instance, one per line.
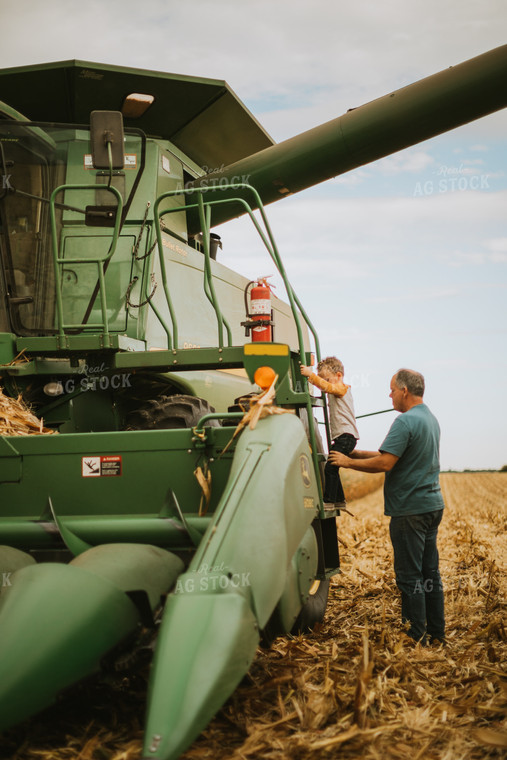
(313, 610)
(311, 613)
(170, 412)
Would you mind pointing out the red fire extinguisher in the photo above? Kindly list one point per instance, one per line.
(259, 314)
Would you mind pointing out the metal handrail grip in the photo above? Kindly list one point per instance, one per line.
(172, 340)
(209, 288)
(58, 260)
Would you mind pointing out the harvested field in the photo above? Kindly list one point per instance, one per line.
(353, 688)
(359, 484)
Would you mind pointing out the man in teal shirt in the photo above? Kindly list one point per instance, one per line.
(409, 455)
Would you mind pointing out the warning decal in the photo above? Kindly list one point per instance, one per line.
(130, 161)
(99, 467)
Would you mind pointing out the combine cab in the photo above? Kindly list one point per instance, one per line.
(150, 492)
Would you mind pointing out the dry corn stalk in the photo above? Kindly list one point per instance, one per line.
(17, 419)
(261, 406)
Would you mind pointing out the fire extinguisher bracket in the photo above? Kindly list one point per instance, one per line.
(250, 324)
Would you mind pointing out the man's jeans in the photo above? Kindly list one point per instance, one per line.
(414, 539)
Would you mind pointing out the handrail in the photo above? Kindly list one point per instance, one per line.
(209, 288)
(199, 428)
(267, 238)
(372, 414)
(100, 261)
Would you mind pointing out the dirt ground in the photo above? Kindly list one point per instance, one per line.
(353, 688)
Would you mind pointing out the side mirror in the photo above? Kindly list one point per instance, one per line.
(106, 129)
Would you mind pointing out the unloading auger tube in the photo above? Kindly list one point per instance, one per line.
(422, 110)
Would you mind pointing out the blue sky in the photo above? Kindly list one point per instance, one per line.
(400, 263)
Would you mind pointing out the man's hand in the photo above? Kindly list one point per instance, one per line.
(378, 462)
(305, 371)
(339, 459)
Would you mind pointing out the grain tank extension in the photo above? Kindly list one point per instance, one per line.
(128, 499)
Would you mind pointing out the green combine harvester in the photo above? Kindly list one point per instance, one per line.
(137, 511)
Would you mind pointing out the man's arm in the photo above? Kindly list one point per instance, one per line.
(381, 461)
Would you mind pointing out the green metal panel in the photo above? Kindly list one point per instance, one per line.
(78, 280)
(63, 345)
(169, 176)
(150, 463)
(87, 411)
(10, 461)
(220, 387)
(197, 324)
(7, 347)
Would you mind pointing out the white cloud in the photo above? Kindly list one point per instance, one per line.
(477, 258)
(406, 161)
(497, 245)
(437, 293)
(350, 179)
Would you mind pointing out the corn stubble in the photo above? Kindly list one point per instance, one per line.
(355, 687)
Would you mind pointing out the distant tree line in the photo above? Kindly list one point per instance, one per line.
(502, 469)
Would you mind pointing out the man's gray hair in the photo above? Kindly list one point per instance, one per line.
(411, 380)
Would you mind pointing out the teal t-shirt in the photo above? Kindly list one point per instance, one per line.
(412, 486)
